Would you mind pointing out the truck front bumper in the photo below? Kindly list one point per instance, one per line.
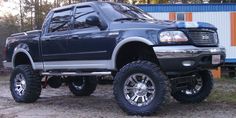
(189, 58)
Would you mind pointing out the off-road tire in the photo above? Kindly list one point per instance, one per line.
(90, 84)
(33, 84)
(152, 71)
(207, 81)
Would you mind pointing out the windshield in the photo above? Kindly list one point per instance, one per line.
(117, 11)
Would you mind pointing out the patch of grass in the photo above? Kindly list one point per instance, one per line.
(226, 80)
(229, 78)
(222, 96)
(224, 91)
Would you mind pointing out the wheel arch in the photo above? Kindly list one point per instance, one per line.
(22, 52)
(123, 43)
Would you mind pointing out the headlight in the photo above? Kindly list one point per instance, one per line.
(172, 37)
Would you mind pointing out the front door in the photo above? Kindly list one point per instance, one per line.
(88, 42)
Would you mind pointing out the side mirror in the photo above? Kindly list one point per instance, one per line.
(93, 21)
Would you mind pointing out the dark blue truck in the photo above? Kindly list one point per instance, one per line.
(148, 58)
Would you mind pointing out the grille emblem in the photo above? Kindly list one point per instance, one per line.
(205, 37)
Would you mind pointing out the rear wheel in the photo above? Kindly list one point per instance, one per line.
(140, 88)
(82, 86)
(198, 91)
(25, 85)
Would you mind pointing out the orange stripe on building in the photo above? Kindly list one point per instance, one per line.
(233, 28)
(172, 16)
(189, 16)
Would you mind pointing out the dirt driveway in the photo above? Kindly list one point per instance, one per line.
(61, 103)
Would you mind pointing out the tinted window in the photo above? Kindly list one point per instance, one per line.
(80, 17)
(60, 21)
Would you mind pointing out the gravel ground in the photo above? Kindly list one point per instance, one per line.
(61, 103)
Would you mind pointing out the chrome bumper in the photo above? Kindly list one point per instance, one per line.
(185, 51)
(7, 64)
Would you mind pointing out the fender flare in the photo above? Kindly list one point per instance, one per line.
(122, 43)
(21, 50)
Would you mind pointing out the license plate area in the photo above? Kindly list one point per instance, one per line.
(215, 59)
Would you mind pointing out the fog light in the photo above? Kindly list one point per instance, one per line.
(188, 63)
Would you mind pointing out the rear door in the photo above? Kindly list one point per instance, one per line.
(54, 40)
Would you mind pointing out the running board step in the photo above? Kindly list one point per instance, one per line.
(75, 73)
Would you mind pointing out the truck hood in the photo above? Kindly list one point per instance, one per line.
(160, 24)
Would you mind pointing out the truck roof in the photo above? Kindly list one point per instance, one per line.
(73, 5)
(82, 4)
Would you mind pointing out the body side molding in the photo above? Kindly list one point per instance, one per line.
(91, 64)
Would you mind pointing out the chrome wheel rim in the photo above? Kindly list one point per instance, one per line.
(139, 89)
(20, 84)
(79, 84)
(196, 88)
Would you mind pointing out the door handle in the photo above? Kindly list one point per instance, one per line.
(54, 37)
(50, 39)
(75, 37)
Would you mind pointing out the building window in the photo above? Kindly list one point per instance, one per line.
(180, 17)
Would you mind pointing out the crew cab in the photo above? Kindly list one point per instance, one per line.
(82, 42)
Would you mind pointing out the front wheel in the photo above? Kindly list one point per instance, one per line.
(140, 88)
(198, 91)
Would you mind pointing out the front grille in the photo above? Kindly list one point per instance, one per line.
(203, 37)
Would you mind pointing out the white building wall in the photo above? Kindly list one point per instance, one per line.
(161, 16)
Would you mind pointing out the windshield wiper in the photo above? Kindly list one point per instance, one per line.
(128, 18)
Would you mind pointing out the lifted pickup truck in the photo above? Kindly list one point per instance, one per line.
(147, 57)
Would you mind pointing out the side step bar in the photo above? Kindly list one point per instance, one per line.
(75, 73)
